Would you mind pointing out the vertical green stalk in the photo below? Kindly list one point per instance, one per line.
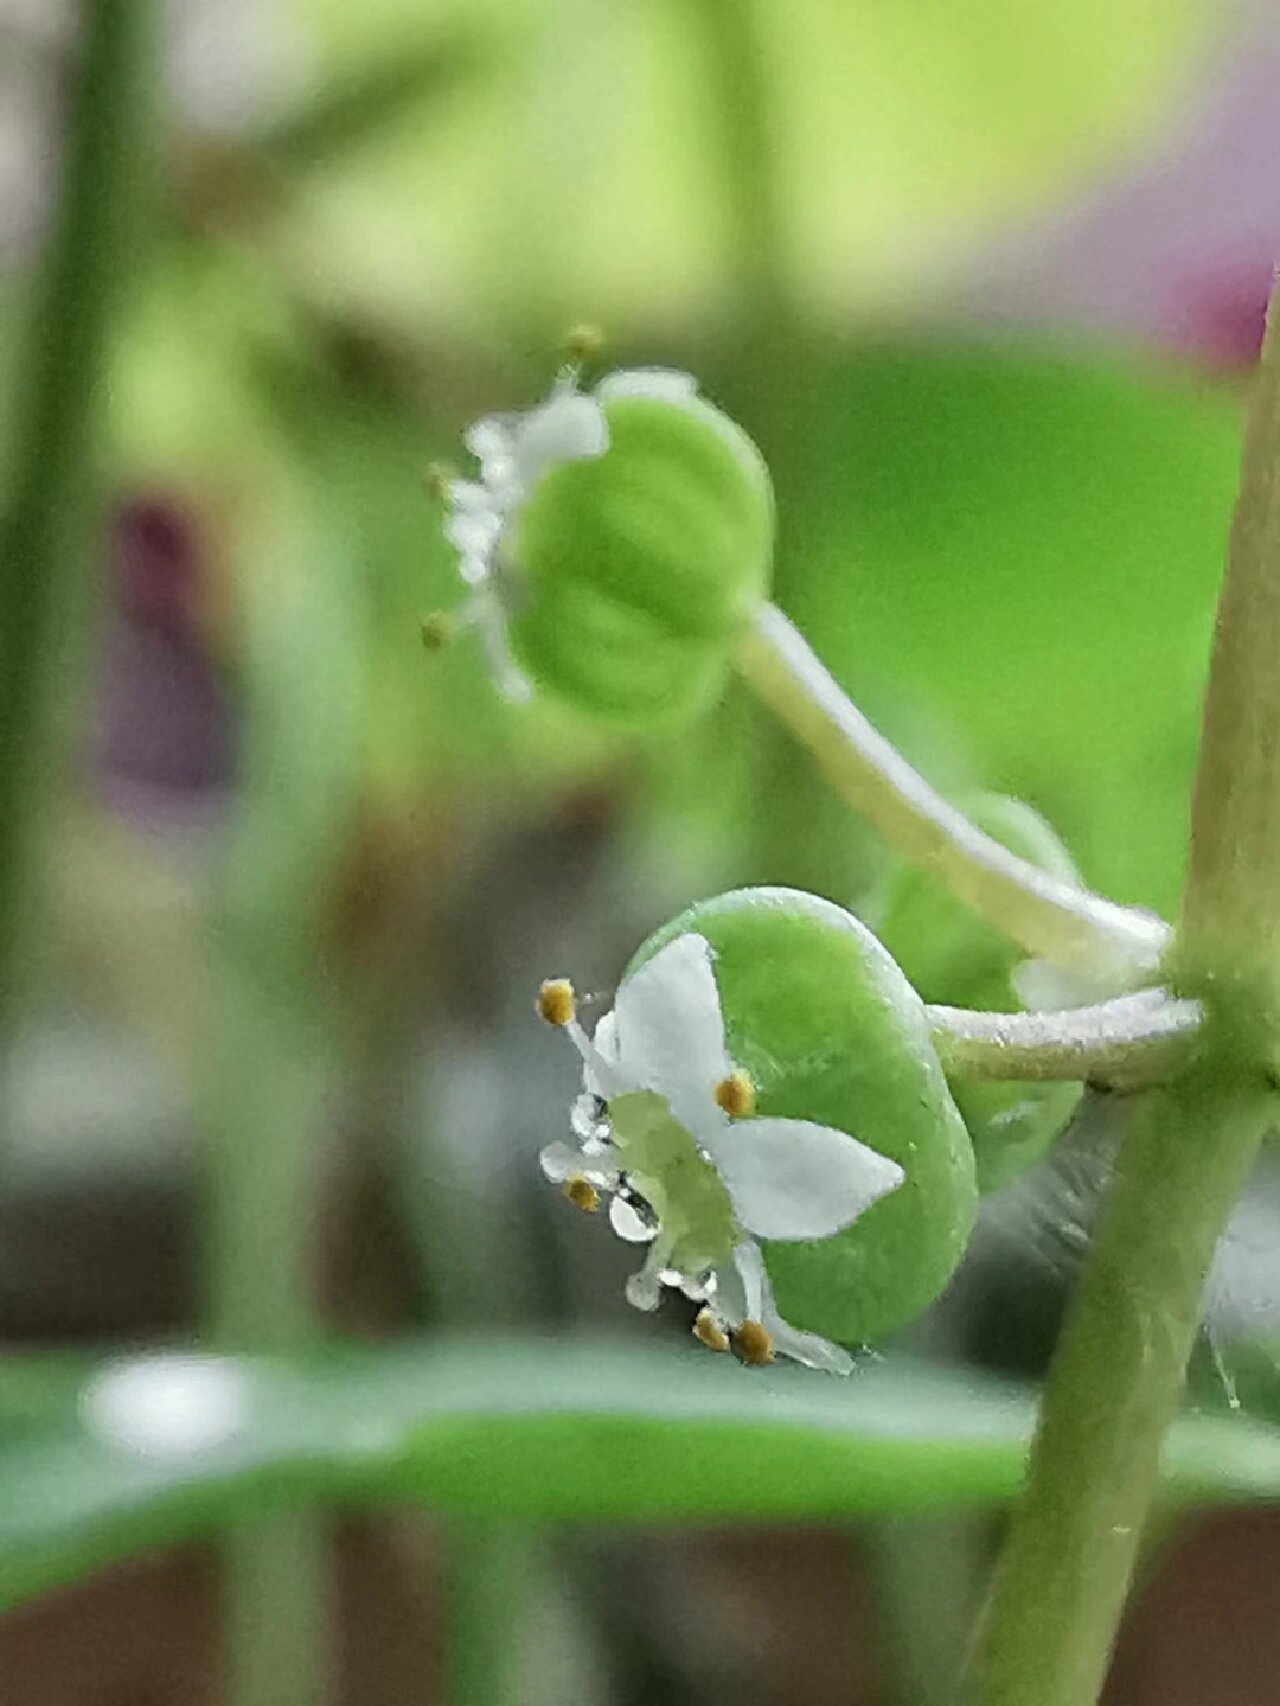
(46, 546)
(1117, 1379)
(273, 1055)
(740, 106)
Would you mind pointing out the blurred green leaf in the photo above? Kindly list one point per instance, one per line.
(1029, 543)
(586, 174)
(554, 1431)
(345, 112)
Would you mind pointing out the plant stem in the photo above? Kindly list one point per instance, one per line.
(46, 554)
(1051, 919)
(1118, 1375)
(1126, 1044)
(273, 1043)
(736, 77)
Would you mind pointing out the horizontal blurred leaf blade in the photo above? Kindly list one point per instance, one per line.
(551, 1431)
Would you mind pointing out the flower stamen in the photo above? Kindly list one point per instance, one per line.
(752, 1344)
(556, 1002)
(708, 1331)
(581, 1193)
(736, 1095)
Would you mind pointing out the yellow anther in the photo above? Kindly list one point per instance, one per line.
(437, 478)
(556, 1003)
(584, 343)
(736, 1094)
(708, 1331)
(437, 630)
(752, 1344)
(581, 1193)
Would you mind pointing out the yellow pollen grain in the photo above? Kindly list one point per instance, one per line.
(753, 1345)
(736, 1094)
(708, 1331)
(582, 1193)
(556, 1002)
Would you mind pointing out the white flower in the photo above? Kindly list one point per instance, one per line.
(656, 1129)
(514, 452)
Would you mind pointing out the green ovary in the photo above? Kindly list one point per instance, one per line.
(684, 1190)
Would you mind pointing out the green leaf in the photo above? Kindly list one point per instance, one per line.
(543, 1430)
(588, 170)
(1027, 544)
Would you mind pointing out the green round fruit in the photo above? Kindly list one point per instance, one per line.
(637, 570)
(829, 1029)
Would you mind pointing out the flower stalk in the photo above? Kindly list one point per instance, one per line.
(1130, 1043)
(1118, 1376)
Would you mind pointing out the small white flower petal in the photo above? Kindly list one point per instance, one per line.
(601, 1075)
(560, 1161)
(469, 495)
(811, 1349)
(570, 428)
(484, 608)
(666, 384)
(491, 441)
(473, 533)
(792, 1179)
(741, 1285)
(629, 1224)
(671, 1034)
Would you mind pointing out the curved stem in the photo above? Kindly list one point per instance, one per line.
(1117, 1378)
(1051, 919)
(1125, 1044)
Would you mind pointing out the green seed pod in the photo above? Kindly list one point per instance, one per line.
(953, 958)
(619, 541)
(826, 1029)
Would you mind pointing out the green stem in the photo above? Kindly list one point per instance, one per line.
(736, 76)
(489, 1571)
(273, 1036)
(1118, 1376)
(1126, 1044)
(1051, 919)
(46, 556)
(1115, 1386)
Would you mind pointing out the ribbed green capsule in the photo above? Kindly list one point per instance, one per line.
(620, 539)
(953, 958)
(828, 1030)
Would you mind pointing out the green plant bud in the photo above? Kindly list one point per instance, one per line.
(825, 1028)
(953, 958)
(622, 539)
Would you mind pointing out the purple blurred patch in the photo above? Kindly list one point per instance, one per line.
(160, 745)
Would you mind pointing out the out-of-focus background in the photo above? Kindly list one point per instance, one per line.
(985, 281)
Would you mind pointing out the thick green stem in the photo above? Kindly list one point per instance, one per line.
(1051, 919)
(1115, 1386)
(1118, 1376)
(46, 551)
